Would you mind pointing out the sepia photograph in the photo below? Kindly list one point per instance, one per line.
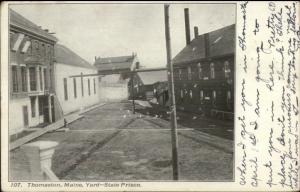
(121, 92)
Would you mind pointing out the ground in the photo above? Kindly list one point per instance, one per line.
(111, 143)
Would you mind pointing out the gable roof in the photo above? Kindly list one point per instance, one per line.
(220, 42)
(114, 63)
(152, 77)
(66, 56)
(17, 20)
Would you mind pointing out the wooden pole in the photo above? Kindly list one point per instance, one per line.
(171, 97)
(132, 94)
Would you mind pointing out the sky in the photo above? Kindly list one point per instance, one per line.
(107, 30)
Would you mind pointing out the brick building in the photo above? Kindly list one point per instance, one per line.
(31, 82)
(204, 72)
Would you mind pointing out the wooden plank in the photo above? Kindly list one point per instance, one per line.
(51, 127)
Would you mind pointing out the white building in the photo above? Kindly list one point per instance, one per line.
(74, 85)
(115, 76)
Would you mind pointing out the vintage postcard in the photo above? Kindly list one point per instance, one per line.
(150, 96)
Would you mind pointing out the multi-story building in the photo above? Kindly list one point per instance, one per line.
(115, 76)
(204, 72)
(31, 75)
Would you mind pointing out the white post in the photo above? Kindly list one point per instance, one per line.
(38, 78)
(40, 154)
(28, 79)
(49, 109)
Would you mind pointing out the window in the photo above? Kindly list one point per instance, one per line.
(191, 94)
(14, 75)
(181, 93)
(66, 88)
(214, 95)
(89, 87)
(189, 73)
(82, 91)
(201, 96)
(45, 79)
(228, 95)
(199, 71)
(227, 70)
(75, 87)
(212, 70)
(32, 79)
(41, 78)
(24, 79)
(26, 47)
(32, 103)
(94, 86)
(180, 72)
(36, 47)
(51, 77)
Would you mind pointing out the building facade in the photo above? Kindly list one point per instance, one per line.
(76, 87)
(31, 78)
(204, 73)
(115, 76)
(146, 84)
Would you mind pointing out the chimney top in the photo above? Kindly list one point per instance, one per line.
(196, 33)
(187, 26)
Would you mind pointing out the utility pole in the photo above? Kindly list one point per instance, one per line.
(171, 97)
(132, 93)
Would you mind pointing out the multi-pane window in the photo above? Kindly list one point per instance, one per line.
(200, 71)
(32, 103)
(227, 70)
(189, 73)
(32, 79)
(75, 87)
(89, 87)
(14, 76)
(24, 79)
(94, 86)
(66, 88)
(212, 70)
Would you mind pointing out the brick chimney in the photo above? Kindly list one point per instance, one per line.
(187, 26)
(196, 33)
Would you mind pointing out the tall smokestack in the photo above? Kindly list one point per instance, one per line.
(196, 33)
(187, 26)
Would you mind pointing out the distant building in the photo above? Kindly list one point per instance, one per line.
(74, 90)
(204, 72)
(146, 84)
(113, 84)
(31, 75)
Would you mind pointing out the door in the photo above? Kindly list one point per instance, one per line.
(52, 108)
(46, 109)
(25, 115)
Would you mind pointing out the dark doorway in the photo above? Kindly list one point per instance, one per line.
(25, 115)
(52, 108)
(46, 109)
